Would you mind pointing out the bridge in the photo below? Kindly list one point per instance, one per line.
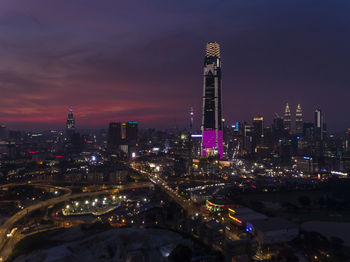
(8, 225)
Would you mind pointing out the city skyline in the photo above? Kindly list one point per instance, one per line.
(117, 69)
(174, 131)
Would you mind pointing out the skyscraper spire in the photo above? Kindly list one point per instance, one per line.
(287, 119)
(299, 120)
(212, 118)
(191, 120)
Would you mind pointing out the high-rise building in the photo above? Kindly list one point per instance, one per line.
(308, 131)
(131, 132)
(212, 119)
(278, 131)
(299, 121)
(287, 119)
(347, 140)
(258, 124)
(3, 131)
(318, 124)
(247, 138)
(70, 124)
(114, 137)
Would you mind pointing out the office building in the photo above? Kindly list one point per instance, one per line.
(3, 131)
(318, 125)
(278, 131)
(114, 137)
(212, 118)
(258, 124)
(287, 119)
(131, 132)
(70, 124)
(347, 140)
(248, 135)
(299, 121)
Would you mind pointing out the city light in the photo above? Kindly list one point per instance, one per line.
(166, 155)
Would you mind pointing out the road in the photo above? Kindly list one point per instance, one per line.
(8, 225)
(185, 204)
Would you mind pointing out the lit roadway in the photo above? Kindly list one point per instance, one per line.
(8, 225)
(185, 204)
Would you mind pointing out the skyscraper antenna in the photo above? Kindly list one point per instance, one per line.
(191, 120)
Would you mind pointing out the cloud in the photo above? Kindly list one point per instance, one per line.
(143, 61)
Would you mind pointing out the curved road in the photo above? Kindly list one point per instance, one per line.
(8, 225)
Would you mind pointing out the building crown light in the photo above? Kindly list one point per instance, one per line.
(212, 50)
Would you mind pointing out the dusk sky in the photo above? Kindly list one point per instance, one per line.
(142, 60)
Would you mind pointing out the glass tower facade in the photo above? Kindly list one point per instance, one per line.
(70, 124)
(318, 125)
(287, 119)
(212, 116)
(299, 120)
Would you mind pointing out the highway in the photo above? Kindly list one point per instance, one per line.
(9, 224)
(186, 205)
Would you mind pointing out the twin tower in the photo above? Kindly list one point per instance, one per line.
(212, 116)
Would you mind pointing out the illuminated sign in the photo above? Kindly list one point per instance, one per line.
(339, 173)
(249, 227)
(213, 207)
(235, 219)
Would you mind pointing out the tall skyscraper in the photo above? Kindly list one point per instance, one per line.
(70, 124)
(212, 118)
(287, 119)
(318, 124)
(299, 121)
(114, 137)
(277, 127)
(247, 138)
(131, 130)
(258, 123)
(347, 140)
(308, 131)
(3, 131)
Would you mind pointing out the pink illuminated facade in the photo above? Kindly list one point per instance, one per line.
(212, 143)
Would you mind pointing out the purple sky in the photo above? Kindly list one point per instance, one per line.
(142, 60)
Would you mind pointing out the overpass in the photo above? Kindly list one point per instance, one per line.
(8, 225)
